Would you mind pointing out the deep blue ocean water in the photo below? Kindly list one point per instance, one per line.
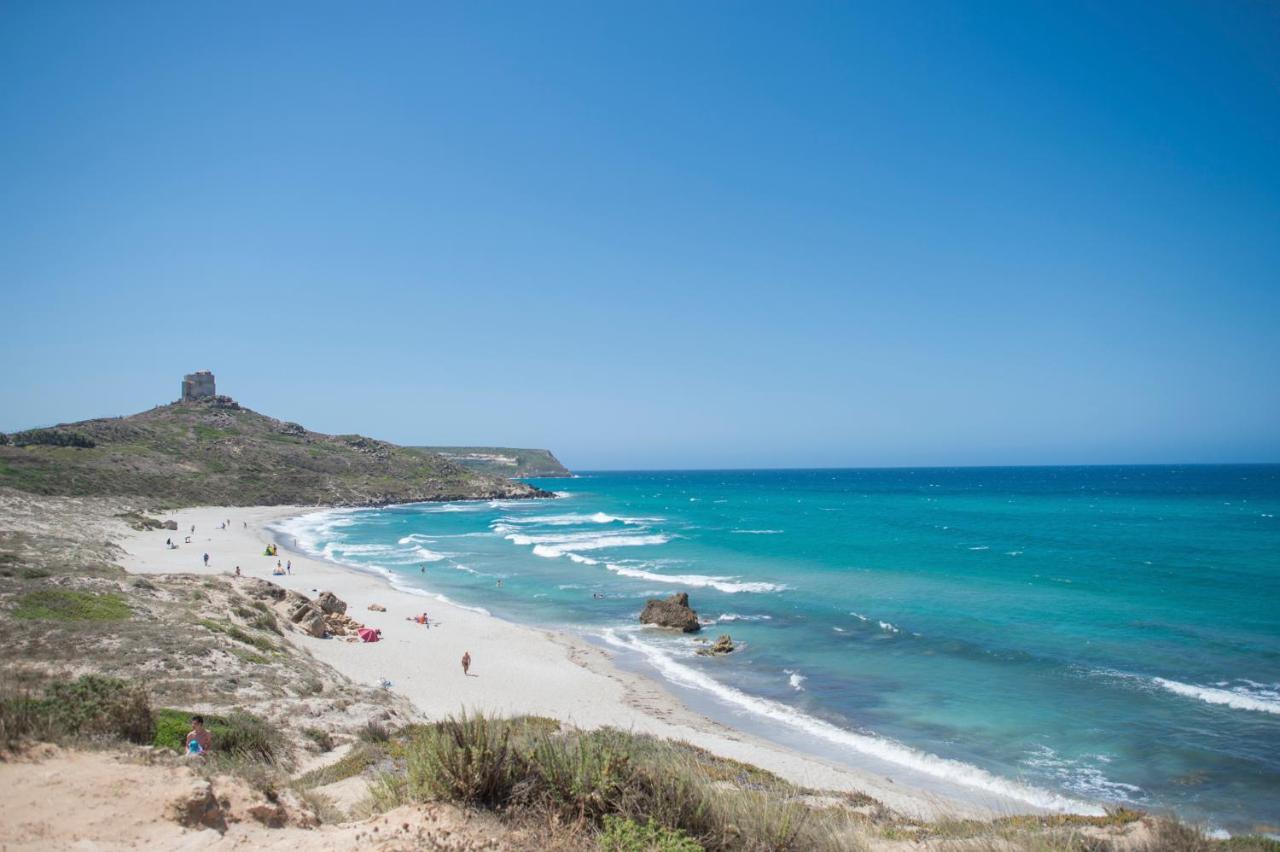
(1061, 635)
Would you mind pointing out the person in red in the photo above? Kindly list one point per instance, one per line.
(466, 662)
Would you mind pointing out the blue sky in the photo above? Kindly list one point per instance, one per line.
(715, 234)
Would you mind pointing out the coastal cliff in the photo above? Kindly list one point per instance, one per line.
(509, 462)
(215, 451)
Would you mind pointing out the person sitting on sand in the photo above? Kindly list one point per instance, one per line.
(199, 740)
(277, 571)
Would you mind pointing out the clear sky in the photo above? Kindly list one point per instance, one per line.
(695, 234)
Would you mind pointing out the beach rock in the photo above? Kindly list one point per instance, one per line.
(309, 618)
(169, 525)
(723, 645)
(377, 608)
(331, 603)
(198, 807)
(673, 612)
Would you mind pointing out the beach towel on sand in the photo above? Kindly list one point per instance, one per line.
(368, 634)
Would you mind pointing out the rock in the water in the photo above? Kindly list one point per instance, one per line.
(723, 645)
(331, 603)
(673, 612)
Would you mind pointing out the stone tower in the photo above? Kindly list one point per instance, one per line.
(197, 386)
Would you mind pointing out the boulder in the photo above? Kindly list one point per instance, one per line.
(169, 525)
(722, 645)
(672, 612)
(198, 807)
(310, 619)
(377, 608)
(331, 603)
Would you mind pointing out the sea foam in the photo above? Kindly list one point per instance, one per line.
(870, 745)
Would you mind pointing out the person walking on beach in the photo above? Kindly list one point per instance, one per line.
(466, 663)
(288, 567)
(206, 560)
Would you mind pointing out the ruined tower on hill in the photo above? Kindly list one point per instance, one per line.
(198, 386)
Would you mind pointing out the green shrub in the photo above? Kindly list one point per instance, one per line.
(626, 835)
(51, 438)
(467, 759)
(90, 706)
(71, 605)
(236, 735)
(583, 777)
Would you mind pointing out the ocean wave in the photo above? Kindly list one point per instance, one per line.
(859, 616)
(1082, 778)
(1238, 698)
(582, 560)
(980, 547)
(795, 680)
(871, 745)
(558, 545)
(758, 532)
(416, 538)
(728, 585)
(733, 616)
(422, 554)
(889, 628)
(577, 519)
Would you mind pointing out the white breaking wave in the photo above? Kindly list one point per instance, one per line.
(888, 628)
(574, 519)
(796, 680)
(1082, 778)
(582, 560)
(728, 585)
(416, 538)
(758, 532)
(1261, 701)
(425, 555)
(733, 616)
(871, 745)
(558, 545)
(859, 616)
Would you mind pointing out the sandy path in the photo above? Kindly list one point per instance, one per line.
(516, 669)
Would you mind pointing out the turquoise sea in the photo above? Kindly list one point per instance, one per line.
(1064, 636)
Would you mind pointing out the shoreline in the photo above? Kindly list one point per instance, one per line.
(553, 673)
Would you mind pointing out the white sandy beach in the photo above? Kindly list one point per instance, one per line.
(516, 669)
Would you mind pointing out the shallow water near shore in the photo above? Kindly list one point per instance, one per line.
(1057, 636)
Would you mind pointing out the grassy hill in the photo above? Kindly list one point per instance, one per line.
(216, 452)
(503, 461)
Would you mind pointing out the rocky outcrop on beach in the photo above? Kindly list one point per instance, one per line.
(673, 612)
(323, 617)
(722, 645)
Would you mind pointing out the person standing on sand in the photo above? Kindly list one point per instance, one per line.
(206, 560)
(466, 663)
(288, 568)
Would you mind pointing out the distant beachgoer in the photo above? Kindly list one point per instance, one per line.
(466, 663)
(237, 570)
(422, 570)
(289, 567)
(244, 524)
(499, 584)
(168, 542)
(193, 529)
(199, 740)
(206, 560)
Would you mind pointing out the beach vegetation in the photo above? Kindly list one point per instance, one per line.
(620, 834)
(240, 635)
(236, 735)
(71, 605)
(356, 761)
(92, 707)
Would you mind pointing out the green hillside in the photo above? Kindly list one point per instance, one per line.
(216, 452)
(503, 461)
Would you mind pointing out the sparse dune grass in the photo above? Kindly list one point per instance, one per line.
(71, 605)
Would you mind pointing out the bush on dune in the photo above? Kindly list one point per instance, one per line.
(92, 706)
(241, 736)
